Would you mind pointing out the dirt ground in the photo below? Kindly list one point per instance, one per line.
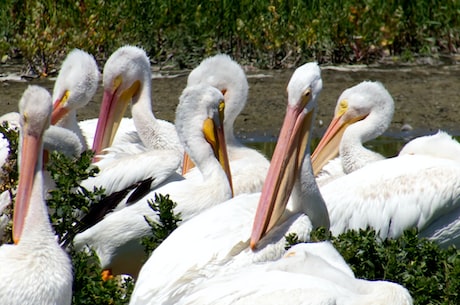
(426, 97)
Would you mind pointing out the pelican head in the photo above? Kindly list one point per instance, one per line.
(199, 118)
(75, 85)
(35, 113)
(125, 74)
(366, 104)
(225, 74)
(303, 91)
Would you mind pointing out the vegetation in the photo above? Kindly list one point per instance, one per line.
(69, 201)
(168, 222)
(267, 34)
(9, 170)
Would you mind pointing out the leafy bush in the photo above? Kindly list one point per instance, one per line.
(9, 171)
(168, 222)
(68, 201)
(88, 286)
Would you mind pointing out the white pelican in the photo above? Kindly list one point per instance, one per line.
(248, 166)
(75, 85)
(438, 145)
(410, 190)
(35, 270)
(218, 240)
(127, 80)
(309, 273)
(363, 112)
(116, 239)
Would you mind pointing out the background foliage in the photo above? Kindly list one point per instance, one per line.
(267, 34)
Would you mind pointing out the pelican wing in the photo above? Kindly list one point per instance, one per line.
(121, 173)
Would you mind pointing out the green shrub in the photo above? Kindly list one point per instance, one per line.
(267, 34)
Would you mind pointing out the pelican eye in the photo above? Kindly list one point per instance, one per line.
(305, 98)
(342, 107)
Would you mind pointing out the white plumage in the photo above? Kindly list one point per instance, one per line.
(312, 273)
(438, 145)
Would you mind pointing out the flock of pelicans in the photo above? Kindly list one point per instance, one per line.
(236, 206)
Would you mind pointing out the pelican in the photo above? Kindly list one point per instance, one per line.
(363, 112)
(219, 239)
(116, 239)
(439, 145)
(309, 273)
(410, 190)
(35, 270)
(127, 80)
(75, 85)
(248, 166)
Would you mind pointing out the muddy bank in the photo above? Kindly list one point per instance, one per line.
(426, 98)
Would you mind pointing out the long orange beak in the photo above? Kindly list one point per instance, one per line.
(284, 168)
(113, 108)
(213, 130)
(30, 152)
(328, 147)
(59, 111)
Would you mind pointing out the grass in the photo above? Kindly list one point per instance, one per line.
(266, 34)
